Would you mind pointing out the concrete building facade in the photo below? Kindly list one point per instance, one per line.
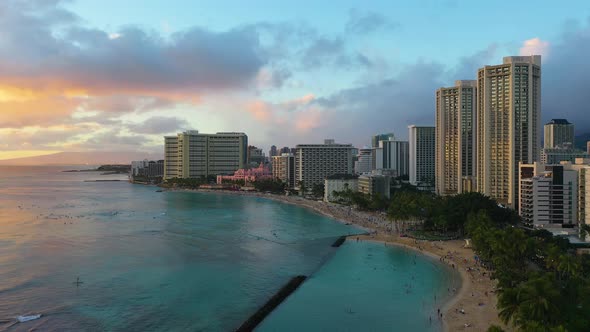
(421, 155)
(372, 184)
(381, 137)
(283, 168)
(193, 155)
(508, 124)
(559, 133)
(315, 162)
(557, 155)
(364, 162)
(393, 155)
(548, 194)
(455, 138)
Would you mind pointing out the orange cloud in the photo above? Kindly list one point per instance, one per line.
(535, 46)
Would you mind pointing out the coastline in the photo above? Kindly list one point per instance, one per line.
(476, 293)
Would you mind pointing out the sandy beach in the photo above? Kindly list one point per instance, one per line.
(471, 308)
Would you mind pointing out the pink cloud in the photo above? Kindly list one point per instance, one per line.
(535, 46)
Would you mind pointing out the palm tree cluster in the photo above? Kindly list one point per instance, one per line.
(542, 284)
(445, 213)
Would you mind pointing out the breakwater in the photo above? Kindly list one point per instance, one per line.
(271, 304)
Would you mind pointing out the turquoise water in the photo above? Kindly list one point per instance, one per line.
(368, 287)
(149, 261)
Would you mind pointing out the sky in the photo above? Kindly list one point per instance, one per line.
(111, 75)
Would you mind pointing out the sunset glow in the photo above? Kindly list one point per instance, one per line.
(281, 75)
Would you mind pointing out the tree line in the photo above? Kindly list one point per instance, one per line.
(542, 284)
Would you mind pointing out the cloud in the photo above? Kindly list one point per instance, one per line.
(367, 22)
(159, 125)
(535, 46)
(196, 60)
(565, 78)
(468, 65)
(323, 50)
(125, 104)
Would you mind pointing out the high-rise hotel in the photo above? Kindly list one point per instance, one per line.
(193, 155)
(315, 162)
(508, 124)
(455, 138)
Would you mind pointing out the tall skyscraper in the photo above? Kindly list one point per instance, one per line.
(421, 155)
(559, 133)
(315, 162)
(455, 138)
(381, 137)
(192, 155)
(508, 124)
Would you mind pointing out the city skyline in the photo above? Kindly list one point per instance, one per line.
(88, 79)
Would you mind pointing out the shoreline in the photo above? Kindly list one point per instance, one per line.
(479, 311)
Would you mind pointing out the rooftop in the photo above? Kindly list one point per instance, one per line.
(558, 121)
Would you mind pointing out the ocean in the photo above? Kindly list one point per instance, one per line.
(113, 256)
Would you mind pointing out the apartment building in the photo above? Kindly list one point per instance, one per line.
(192, 154)
(455, 138)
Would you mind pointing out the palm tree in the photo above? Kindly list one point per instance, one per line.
(568, 266)
(537, 299)
(508, 304)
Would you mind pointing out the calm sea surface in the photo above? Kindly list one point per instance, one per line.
(177, 261)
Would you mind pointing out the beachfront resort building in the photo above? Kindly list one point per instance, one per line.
(508, 125)
(392, 155)
(558, 133)
(247, 175)
(421, 156)
(315, 162)
(283, 168)
(194, 155)
(339, 183)
(548, 194)
(375, 184)
(455, 138)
